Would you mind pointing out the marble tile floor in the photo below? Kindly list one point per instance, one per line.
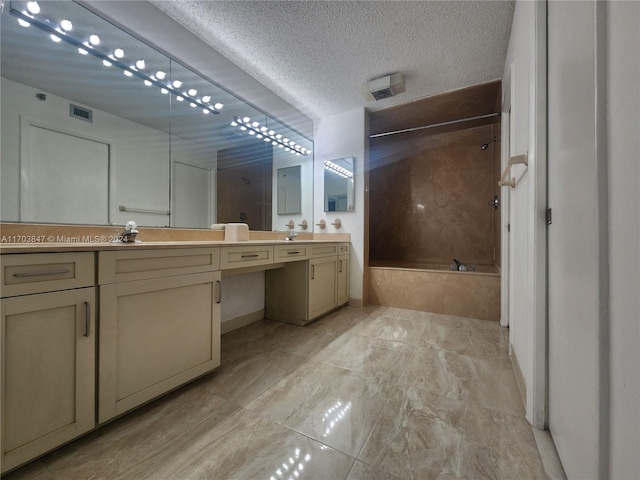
(362, 393)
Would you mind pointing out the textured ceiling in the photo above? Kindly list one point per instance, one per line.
(320, 55)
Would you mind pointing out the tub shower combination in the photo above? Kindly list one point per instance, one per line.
(434, 222)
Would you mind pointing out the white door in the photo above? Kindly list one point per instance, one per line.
(191, 196)
(573, 248)
(65, 175)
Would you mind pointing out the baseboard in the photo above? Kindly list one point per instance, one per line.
(238, 322)
(355, 302)
(522, 386)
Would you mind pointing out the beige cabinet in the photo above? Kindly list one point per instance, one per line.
(301, 291)
(48, 353)
(343, 279)
(323, 290)
(156, 334)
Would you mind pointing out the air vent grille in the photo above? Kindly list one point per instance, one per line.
(80, 113)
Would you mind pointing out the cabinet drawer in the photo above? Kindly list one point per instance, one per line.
(130, 265)
(288, 253)
(324, 250)
(24, 274)
(249, 256)
(343, 248)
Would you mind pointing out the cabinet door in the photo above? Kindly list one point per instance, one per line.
(322, 285)
(154, 336)
(343, 279)
(48, 375)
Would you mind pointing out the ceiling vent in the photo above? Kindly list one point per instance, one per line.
(387, 86)
(80, 113)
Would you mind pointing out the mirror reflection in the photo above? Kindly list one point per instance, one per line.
(338, 185)
(289, 190)
(100, 128)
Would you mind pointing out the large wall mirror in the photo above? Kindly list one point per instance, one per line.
(338, 185)
(100, 128)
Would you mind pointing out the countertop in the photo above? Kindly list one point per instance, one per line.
(50, 247)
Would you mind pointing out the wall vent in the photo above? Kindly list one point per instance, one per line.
(80, 113)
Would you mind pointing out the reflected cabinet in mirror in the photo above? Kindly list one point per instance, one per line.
(338, 185)
(100, 128)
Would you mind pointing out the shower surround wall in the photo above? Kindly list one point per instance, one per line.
(429, 204)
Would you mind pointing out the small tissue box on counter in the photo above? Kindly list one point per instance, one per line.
(236, 232)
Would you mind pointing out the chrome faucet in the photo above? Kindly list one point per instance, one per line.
(130, 232)
(290, 236)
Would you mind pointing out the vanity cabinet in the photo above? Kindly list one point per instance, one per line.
(302, 291)
(343, 279)
(159, 324)
(48, 352)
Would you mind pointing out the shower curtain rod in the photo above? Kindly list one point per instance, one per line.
(468, 119)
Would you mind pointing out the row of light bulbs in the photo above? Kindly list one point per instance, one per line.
(26, 18)
(269, 135)
(337, 169)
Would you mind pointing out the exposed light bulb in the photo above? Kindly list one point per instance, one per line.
(251, 132)
(127, 73)
(243, 128)
(118, 52)
(164, 91)
(234, 124)
(193, 105)
(66, 25)
(22, 23)
(179, 98)
(272, 132)
(246, 119)
(106, 63)
(263, 129)
(278, 136)
(205, 111)
(148, 83)
(94, 40)
(259, 135)
(218, 106)
(33, 7)
(177, 83)
(82, 51)
(140, 64)
(55, 38)
(206, 99)
(160, 74)
(192, 92)
(255, 124)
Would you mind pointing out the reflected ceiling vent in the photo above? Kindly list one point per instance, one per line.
(387, 86)
(80, 113)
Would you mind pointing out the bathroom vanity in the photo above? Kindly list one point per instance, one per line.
(106, 328)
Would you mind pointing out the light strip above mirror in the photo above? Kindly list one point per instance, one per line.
(268, 135)
(60, 33)
(337, 169)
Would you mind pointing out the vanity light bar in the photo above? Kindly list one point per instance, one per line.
(108, 60)
(270, 136)
(337, 169)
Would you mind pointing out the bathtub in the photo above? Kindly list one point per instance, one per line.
(432, 287)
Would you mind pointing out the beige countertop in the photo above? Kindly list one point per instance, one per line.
(42, 238)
